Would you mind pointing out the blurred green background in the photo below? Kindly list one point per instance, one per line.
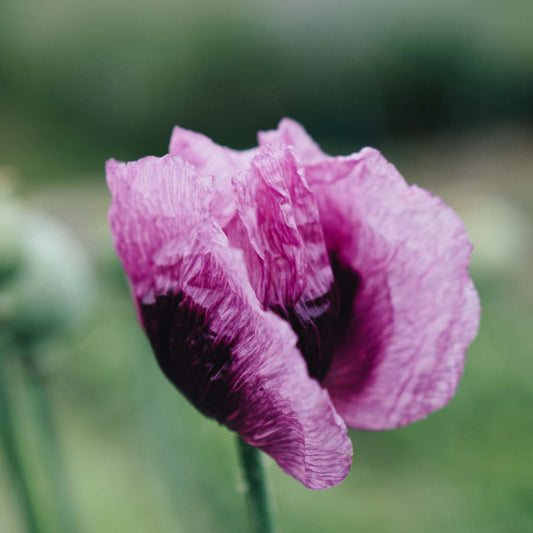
(444, 89)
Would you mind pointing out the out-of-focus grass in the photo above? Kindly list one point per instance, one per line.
(142, 459)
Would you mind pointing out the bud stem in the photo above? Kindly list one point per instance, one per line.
(12, 450)
(49, 442)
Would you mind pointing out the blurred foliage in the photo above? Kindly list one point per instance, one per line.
(84, 81)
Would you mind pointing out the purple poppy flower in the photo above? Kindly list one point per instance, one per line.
(289, 294)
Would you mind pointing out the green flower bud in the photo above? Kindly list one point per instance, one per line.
(52, 288)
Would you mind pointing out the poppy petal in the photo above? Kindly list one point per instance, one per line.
(278, 228)
(232, 359)
(290, 133)
(415, 310)
(211, 159)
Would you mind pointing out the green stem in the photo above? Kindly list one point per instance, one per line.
(49, 443)
(11, 448)
(257, 495)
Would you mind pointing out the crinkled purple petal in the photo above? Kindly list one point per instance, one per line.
(278, 228)
(154, 199)
(290, 133)
(235, 361)
(211, 159)
(416, 309)
(280, 216)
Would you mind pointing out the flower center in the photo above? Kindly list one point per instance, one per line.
(321, 323)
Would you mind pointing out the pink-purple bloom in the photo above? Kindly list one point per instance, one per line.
(290, 294)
